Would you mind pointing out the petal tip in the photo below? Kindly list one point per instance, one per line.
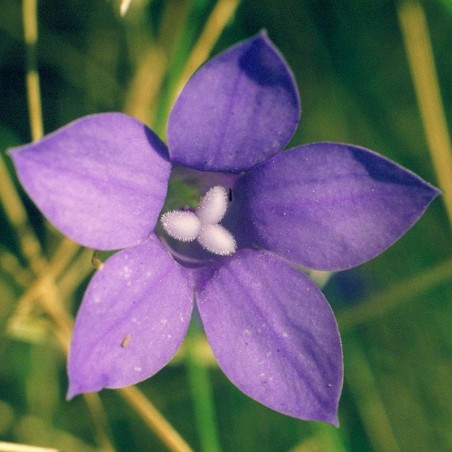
(14, 153)
(73, 390)
(11, 151)
(435, 191)
(334, 422)
(78, 385)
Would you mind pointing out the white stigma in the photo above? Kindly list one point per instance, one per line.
(216, 239)
(213, 205)
(203, 223)
(181, 225)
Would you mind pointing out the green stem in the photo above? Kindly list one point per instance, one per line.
(30, 24)
(369, 402)
(201, 389)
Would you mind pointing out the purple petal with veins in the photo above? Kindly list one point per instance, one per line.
(238, 110)
(101, 180)
(274, 335)
(133, 318)
(337, 205)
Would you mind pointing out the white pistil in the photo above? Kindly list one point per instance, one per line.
(216, 239)
(213, 205)
(181, 225)
(203, 223)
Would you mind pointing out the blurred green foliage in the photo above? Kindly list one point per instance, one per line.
(395, 312)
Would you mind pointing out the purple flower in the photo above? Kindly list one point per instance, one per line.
(102, 181)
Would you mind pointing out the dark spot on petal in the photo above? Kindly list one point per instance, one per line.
(125, 342)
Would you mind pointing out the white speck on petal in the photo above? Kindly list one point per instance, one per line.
(163, 321)
(216, 239)
(181, 225)
(137, 369)
(126, 272)
(213, 205)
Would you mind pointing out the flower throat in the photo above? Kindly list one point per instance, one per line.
(202, 224)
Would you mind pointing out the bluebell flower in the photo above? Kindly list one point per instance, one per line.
(102, 181)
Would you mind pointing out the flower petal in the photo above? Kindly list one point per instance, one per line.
(134, 315)
(101, 180)
(239, 109)
(274, 335)
(330, 206)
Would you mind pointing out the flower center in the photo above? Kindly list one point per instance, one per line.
(203, 224)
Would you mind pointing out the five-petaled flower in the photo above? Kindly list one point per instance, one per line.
(102, 181)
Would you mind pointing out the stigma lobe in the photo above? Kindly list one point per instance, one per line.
(203, 224)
